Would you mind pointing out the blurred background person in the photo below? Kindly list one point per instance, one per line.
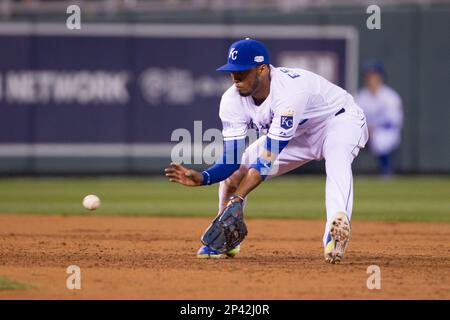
(383, 108)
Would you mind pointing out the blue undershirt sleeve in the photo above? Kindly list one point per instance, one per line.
(264, 165)
(227, 164)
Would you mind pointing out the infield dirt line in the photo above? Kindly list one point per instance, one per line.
(154, 258)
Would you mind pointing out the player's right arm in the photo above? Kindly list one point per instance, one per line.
(288, 113)
(234, 133)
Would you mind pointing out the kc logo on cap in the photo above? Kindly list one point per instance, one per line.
(244, 55)
(233, 54)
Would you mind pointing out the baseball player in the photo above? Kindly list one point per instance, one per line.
(383, 107)
(306, 118)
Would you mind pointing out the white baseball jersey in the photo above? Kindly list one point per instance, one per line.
(302, 108)
(296, 95)
(384, 116)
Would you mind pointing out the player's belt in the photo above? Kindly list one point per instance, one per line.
(339, 112)
(336, 114)
(302, 122)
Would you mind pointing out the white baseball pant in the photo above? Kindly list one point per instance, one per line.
(337, 139)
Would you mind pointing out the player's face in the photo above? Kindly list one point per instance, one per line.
(247, 82)
(372, 81)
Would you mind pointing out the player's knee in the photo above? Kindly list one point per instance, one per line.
(338, 154)
(339, 160)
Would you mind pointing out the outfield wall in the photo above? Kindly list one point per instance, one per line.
(98, 100)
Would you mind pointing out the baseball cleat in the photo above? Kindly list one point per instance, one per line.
(338, 238)
(206, 252)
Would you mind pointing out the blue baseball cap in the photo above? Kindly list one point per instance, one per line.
(245, 54)
(374, 65)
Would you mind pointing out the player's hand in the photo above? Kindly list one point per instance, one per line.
(180, 174)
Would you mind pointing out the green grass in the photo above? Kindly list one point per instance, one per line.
(400, 199)
(9, 284)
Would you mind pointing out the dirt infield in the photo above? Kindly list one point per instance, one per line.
(154, 258)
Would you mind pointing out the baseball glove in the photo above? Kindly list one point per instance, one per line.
(228, 230)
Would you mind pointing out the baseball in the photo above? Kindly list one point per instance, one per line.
(91, 202)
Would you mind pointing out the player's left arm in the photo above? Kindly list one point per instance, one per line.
(284, 124)
(263, 166)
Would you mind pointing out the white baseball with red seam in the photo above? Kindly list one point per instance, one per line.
(91, 202)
